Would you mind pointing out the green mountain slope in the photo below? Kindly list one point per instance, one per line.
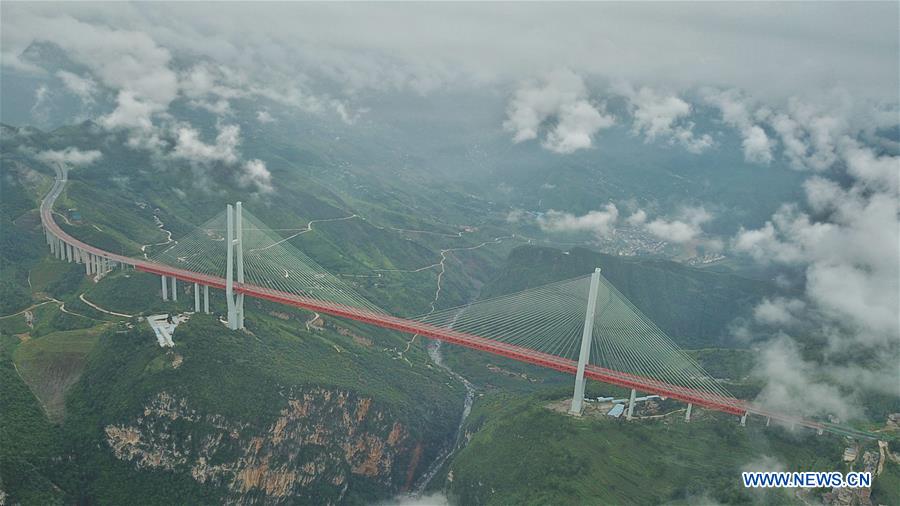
(605, 461)
(693, 306)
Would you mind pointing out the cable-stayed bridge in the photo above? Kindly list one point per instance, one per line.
(581, 326)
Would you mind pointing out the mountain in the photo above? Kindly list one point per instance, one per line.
(693, 306)
(600, 460)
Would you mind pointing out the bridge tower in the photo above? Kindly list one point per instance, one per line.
(586, 337)
(234, 233)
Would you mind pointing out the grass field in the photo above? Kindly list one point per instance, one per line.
(52, 363)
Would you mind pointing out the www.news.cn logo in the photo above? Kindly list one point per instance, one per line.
(833, 479)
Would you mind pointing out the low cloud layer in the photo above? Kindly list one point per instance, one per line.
(71, 156)
(685, 227)
(251, 174)
(736, 113)
(558, 108)
(661, 116)
(845, 240)
(600, 223)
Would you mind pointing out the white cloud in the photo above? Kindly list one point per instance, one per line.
(83, 87)
(687, 228)
(128, 61)
(372, 45)
(778, 311)
(601, 223)
(264, 117)
(638, 218)
(735, 112)
(810, 133)
(250, 173)
(663, 116)
(70, 156)
(559, 106)
(130, 113)
(794, 384)
(255, 174)
(847, 246)
(878, 173)
(188, 145)
(39, 109)
(220, 107)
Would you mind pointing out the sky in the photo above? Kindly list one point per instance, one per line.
(812, 85)
(769, 49)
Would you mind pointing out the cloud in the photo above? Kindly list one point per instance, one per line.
(128, 61)
(255, 174)
(601, 223)
(435, 499)
(250, 173)
(188, 145)
(663, 116)
(39, 109)
(70, 156)
(685, 229)
(558, 106)
(130, 113)
(778, 311)
(220, 107)
(844, 240)
(876, 173)
(83, 87)
(373, 47)
(516, 215)
(638, 218)
(794, 384)
(735, 112)
(264, 117)
(851, 260)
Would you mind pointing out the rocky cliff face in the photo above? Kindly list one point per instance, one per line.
(323, 443)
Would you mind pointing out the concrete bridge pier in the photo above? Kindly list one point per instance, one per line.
(233, 233)
(87, 264)
(68, 248)
(768, 421)
(631, 404)
(174, 288)
(196, 298)
(687, 415)
(587, 336)
(165, 288)
(206, 299)
(744, 420)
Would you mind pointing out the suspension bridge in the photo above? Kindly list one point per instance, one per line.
(582, 326)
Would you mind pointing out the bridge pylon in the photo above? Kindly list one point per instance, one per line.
(234, 233)
(586, 338)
